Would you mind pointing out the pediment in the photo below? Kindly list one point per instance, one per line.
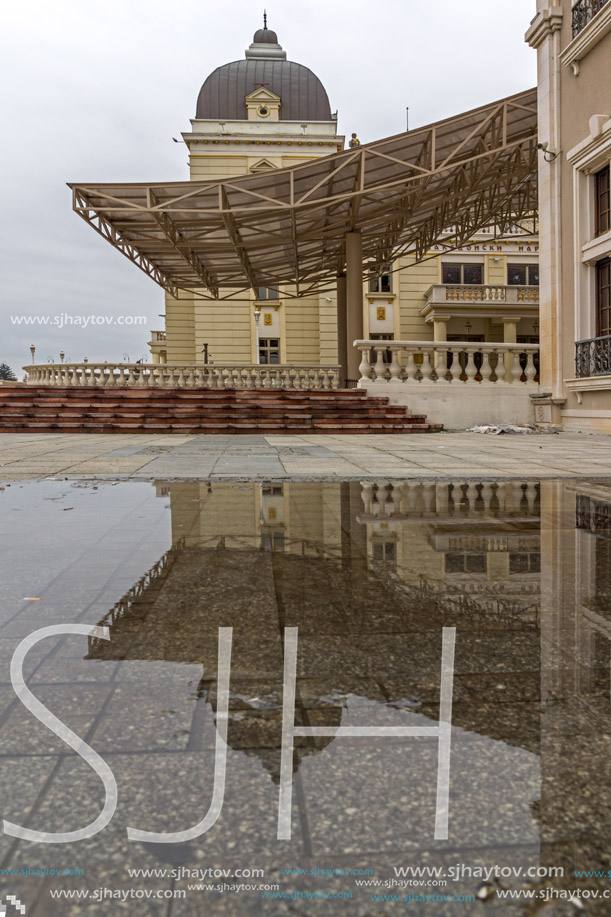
(263, 165)
(262, 95)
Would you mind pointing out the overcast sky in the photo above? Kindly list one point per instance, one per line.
(94, 91)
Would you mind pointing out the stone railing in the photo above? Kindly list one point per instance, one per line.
(210, 375)
(446, 363)
(480, 292)
(388, 501)
(158, 337)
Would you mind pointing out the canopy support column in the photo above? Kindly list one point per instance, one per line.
(354, 302)
(342, 330)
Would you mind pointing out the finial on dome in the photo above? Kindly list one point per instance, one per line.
(265, 43)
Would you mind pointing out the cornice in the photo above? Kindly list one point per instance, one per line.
(544, 24)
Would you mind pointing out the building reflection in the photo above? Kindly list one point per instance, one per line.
(370, 573)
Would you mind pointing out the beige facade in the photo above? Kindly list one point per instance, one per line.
(473, 293)
(573, 42)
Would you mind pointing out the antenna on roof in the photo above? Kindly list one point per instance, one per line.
(264, 19)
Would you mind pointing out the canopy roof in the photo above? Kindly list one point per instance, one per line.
(219, 239)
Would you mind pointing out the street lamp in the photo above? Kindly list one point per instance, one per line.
(257, 319)
(33, 352)
(62, 355)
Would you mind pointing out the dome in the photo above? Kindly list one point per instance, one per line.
(302, 96)
(265, 36)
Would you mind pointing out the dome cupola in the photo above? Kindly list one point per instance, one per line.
(302, 95)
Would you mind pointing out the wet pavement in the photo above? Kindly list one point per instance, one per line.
(342, 457)
(369, 573)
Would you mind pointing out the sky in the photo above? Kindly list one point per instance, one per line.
(95, 92)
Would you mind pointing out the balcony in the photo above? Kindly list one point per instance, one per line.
(593, 357)
(583, 13)
(484, 300)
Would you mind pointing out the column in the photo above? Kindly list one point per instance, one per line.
(510, 336)
(440, 328)
(342, 337)
(354, 301)
(440, 333)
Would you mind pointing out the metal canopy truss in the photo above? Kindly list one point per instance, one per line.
(286, 227)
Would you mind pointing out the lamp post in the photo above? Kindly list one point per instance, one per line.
(257, 319)
(33, 352)
(62, 355)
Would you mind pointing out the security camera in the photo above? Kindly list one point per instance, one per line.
(328, 299)
(543, 146)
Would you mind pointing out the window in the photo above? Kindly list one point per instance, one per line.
(603, 202)
(524, 563)
(272, 540)
(269, 351)
(264, 293)
(385, 552)
(465, 563)
(272, 490)
(381, 283)
(603, 298)
(462, 273)
(521, 275)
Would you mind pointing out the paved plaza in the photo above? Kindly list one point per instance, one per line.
(303, 457)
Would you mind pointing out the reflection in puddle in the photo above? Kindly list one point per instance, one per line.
(369, 574)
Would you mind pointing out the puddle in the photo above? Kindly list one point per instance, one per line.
(365, 578)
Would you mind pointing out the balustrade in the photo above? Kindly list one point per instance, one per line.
(593, 357)
(583, 12)
(449, 363)
(384, 501)
(510, 294)
(154, 375)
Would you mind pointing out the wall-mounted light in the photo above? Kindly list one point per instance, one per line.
(548, 155)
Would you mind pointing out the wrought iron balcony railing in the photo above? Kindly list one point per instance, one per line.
(593, 357)
(583, 12)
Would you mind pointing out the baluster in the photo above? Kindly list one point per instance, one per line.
(366, 496)
(380, 365)
(486, 370)
(531, 496)
(531, 369)
(364, 367)
(395, 366)
(486, 495)
(427, 366)
(392, 500)
(516, 369)
(470, 368)
(441, 363)
(455, 368)
(410, 367)
(429, 496)
(326, 383)
(181, 377)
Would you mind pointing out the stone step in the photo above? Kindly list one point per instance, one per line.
(103, 410)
